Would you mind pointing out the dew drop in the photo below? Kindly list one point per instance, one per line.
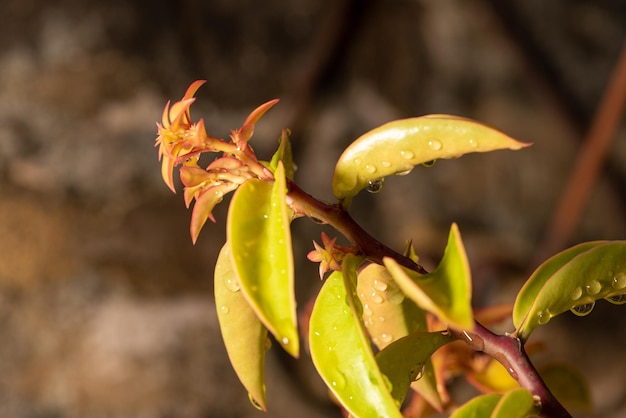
(619, 281)
(380, 285)
(617, 299)
(584, 309)
(407, 155)
(385, 338)
(594, 287)
(285, 341)
(404, 172)
(232, 284)
(386, 164)
(577, 293)
(377, 298)
(473, 143)
(395, 296)
(224, 309)
(370, 168)
(435, 145)
(375, 186)
(254, 402)
(367, 311)
(543, 317)
(429, 163)
(357, 161)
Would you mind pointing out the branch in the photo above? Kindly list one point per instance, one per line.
(509, 351)
(336, 216)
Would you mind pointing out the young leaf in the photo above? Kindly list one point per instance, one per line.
(447, 291)
(396, 147)
(283, 153)
(260, 240)
(244, 335)
(407, 361)
(572, 280)
(342, 354)
(493, 377)
(389, 316)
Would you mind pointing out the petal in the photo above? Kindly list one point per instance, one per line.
(192, 176)
(204, 205)
(247, 129)
(167, 171)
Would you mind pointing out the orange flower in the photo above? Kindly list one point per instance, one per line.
(181, 142)
(328, 256)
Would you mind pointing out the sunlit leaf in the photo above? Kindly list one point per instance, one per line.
(447, 291)
(517, 403)
(260, 239)
(244, 335)
(405, 362)
(478, 407)
(396, 147)
(572, 280)
(569, 386)
(389, 316)
(342, 354)
(283, 153)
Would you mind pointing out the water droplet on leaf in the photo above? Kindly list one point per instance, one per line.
(617, 299)
(584, 309)
(386, 164)
(407, 155)
(224, 309)
(285, 341)
(429, 163)
(370, 168)
(380, 285)
(543, 317)
(473, 143)
(404, 172)
(435, 145)
(577, 293)
(386, 338)
(377, 298)
(619, 281)
(594, 287)
(232, 284)
(417, 372)
(375, 186)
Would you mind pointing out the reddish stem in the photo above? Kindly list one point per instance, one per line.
(509, 351)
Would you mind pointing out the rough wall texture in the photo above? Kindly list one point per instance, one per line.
(106, 307)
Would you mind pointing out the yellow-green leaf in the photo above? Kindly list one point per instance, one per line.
(283, 153)
(396, 147)
(447, 291)
(572, 280)
(342, 354)
(517, 403)
(244, 335)
(260, 240)
(478, 407)
(406, 362)
(389, 316)
(569, 386)
(492, 378)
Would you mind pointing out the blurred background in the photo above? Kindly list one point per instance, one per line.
(106, 308)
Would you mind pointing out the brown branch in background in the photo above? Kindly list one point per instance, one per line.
(590, 160)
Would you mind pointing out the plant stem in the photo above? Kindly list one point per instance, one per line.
(507, 350)
(510, 352)
(336, 216)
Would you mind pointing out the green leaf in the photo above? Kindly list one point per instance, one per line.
(406, 362)
(389, 316)
(569, 386)
(260, 240)
(396, 147)
(342, 354)
(244, 335)
(283, 153)
(447, 291)
(478, 407)
(572, 280)
(517, 403)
